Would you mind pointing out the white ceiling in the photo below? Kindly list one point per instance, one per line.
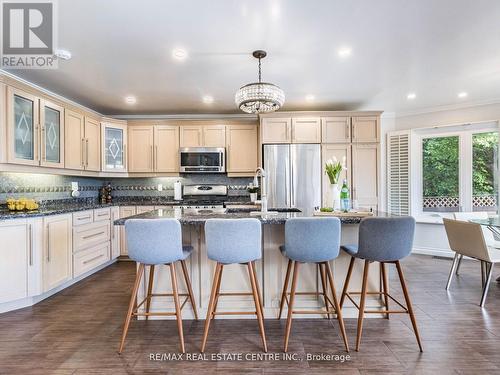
(435, 48)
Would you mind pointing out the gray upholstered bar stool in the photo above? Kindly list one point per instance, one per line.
(233, 241)
(156, 242)
(311, 240)
(384, 240)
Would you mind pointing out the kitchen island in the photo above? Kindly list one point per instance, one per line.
(271, 268)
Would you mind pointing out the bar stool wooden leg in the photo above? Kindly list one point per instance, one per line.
(217, 291)
(177, 305)
(408, 304)
(285, 287)
(346, 283)
(210, 306)
(138, 277)
(189, 288)
(290, 305)
(338, 309)
(362, 304)
(150, 288)
(385, 287)
(325, 288)
(256, 298)
(257, 285)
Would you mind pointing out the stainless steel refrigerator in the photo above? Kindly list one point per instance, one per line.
(293, 176)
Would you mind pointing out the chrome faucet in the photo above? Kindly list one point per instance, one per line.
(260, 172)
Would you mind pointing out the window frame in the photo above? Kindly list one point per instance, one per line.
(465, 164)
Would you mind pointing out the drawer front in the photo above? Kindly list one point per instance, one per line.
(89, 259)
(102, 214)
(89, 235)
(83, 217)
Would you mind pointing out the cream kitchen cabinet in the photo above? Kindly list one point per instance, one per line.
(20, 268)
(336, 129)
(82, 142)
(57, 250)
(166, 143)
(339, 152)
(153, 148)
(125, 211)
(35, 129)
(143, 209)
(306, 130)
(365, 172)
(191, 136)
(141, 148)
(92, 144)
(115, 233)
(276, 130)
(202, 136)
(242, 149)
(365, 129)
(16, 253)
(114, 146)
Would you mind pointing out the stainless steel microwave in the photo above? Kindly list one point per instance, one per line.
(202, 160)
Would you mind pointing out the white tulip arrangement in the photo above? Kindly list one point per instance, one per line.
(333, 168)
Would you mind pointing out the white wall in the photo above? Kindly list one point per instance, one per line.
(431, 238)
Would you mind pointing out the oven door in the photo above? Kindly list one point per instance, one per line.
(202, 160)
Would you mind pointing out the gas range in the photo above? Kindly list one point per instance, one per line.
(206, 198)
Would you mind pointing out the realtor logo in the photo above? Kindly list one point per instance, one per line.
(28, 35)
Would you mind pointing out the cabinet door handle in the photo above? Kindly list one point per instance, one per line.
(353, 130)
(152, 158)
(156, 157)
(348, 131)
(30, 239)
(43, 144)
(93, 235)
(112, 226)
(92, 259)
(82, 163)
(48, 242)
(83, 217)
(124, 158)
(87, 152)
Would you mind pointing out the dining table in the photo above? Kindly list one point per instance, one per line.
(493, 224)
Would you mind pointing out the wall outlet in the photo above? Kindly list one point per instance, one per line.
(160, 187)
(74, 185)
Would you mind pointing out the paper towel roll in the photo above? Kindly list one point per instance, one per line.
(177, 191)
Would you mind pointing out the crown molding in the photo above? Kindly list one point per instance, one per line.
(48, 92)
(446, 107)
(198, 116)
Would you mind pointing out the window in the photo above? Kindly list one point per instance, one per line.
(441, 174)
(484, 165)
(458, 169)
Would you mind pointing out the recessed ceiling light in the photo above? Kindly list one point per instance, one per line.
(130, 100)
(62, 54)
(179, 53)
(310, 98)
(462, 94)
(344, 52)
(411, 96)
(207, 99)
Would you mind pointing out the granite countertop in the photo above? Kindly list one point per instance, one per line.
(69, 206)
(189, 217)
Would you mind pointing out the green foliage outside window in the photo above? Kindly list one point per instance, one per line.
(440, 167)
(484, 157)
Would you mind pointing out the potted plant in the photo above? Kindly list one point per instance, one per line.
(253, 190)
(333, 169)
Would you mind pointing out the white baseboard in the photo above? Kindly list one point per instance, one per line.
(30, 301)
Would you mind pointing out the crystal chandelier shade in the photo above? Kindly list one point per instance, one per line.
(259, 97)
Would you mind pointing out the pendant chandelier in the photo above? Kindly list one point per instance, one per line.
(259, 97)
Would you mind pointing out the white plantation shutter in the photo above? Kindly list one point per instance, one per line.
(398, 173)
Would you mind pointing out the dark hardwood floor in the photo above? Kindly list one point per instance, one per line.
(77, 332)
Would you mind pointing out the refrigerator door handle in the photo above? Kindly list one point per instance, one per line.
(292, 176)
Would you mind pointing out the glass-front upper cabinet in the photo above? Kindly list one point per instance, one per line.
(114, 136)
(52, 134)
(22, 127)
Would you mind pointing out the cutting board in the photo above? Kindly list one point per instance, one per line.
(344, 214)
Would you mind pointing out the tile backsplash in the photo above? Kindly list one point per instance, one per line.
(50, 187)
